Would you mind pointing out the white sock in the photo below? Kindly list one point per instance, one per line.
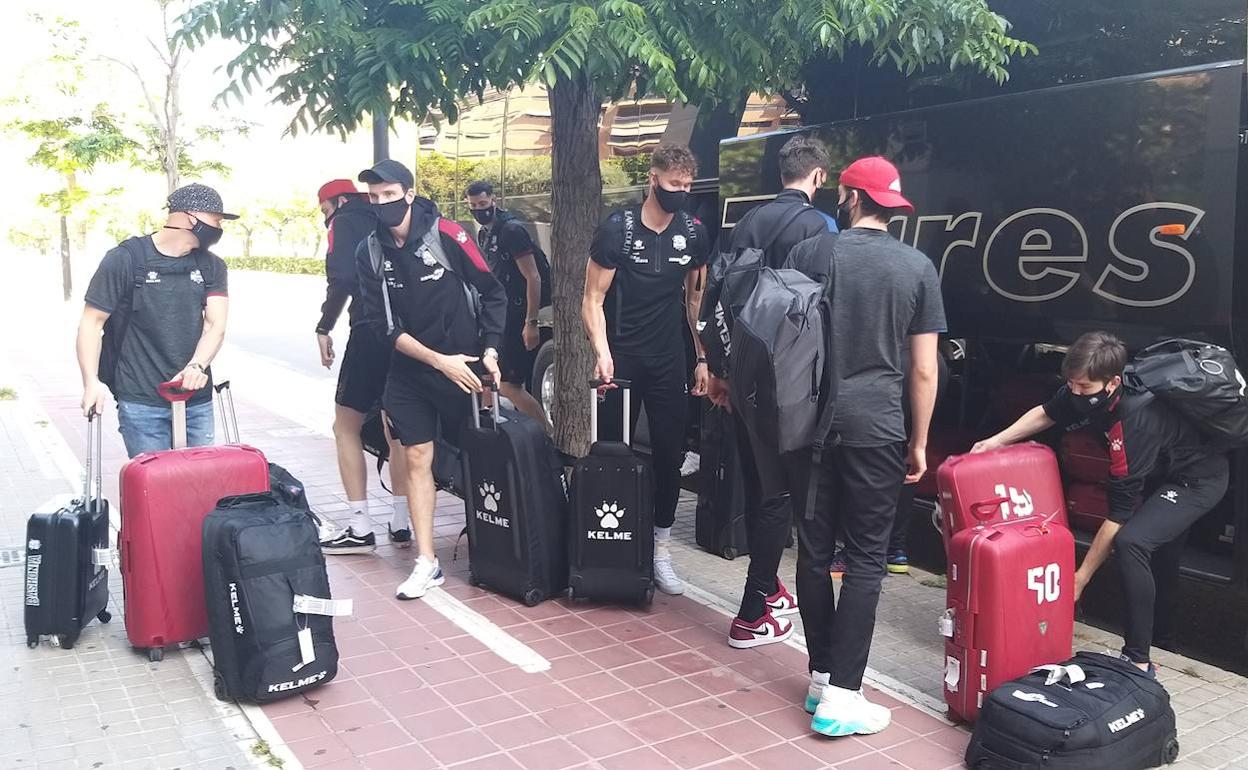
(402, 518)
(662, 534)
(361, 524)
(818, 677)
(662, 542)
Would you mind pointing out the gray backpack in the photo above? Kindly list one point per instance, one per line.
(779, 367)
(432, 241)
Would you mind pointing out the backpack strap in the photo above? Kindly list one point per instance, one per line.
(377, 259)
(781, 227)
(136, 264)
(827, 415)
(432, 239)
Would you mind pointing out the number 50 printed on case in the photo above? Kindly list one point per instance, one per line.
(1046, 582)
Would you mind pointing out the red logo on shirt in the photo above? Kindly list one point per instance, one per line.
(1117, 451)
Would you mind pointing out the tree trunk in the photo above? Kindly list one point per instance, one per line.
(713, 124)
(247, 244)
(67, 277)
(576, 202)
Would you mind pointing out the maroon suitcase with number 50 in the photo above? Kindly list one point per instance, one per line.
(1010, 580)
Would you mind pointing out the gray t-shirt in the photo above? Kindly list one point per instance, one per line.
(885, 291)
(163, 333)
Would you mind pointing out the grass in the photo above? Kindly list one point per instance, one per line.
(263, 751)
(8, 394)
(936, 581)
(284, 265)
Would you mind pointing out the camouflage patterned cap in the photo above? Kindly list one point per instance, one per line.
(198, 197)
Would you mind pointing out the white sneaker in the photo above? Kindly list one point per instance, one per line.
(425, 575)
(665, 576)
(814, 693)
(693, 461)
(848, 712)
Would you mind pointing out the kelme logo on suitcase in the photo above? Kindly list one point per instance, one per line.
(491, 501)
(610, 516)
(238, 615)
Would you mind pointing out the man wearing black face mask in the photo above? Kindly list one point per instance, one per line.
(524, 271)
(1163, 478)
(643, 260)
(160, 303)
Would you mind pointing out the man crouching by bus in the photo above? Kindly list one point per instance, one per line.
(1163, 477)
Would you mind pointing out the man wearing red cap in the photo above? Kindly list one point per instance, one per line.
(885, 298)
(362, 375)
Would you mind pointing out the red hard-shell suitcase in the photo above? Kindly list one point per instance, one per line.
(1023, 478)
(1088, 505)
(1010, 604)
(1084, 457)
(165, 497)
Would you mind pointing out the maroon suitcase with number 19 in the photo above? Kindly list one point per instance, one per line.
(165, 497)
(1011, 566)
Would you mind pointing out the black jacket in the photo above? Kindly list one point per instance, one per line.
(424, 300)
(761, 223)
(348, 227)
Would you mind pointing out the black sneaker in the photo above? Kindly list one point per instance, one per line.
(401, 538)
(348, 542)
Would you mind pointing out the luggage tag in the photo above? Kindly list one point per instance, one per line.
(1056, 674)
(101, 557)
(953, 673)
(945, 624)
(306, 653)
(313, 605)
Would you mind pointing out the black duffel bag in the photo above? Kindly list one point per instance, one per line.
(1200, 381)
(1094, 712)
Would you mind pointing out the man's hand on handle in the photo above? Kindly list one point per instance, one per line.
(193, 377)
(604, 371)
(456, 369)
(326, 344)
(719, 392)
(93, 397)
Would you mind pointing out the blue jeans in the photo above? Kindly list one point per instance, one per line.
(147, 428)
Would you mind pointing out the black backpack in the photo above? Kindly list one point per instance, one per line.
(118, 322)
(1201, 382)
(1093, 712)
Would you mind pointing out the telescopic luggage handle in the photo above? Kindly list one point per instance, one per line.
(594, 387)
(93, 478)
(476, 405)
(229, 417)
(177, 397)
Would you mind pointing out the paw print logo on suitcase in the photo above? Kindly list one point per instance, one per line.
(490, 497)
(609, 515)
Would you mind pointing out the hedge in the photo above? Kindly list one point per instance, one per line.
(287, 265)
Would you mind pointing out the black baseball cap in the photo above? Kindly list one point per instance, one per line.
(198, 197)
(388, 171)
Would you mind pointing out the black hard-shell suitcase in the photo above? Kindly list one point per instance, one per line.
(1092, 712)
(612, 538)
(719, 523)
(516, 506)
(260, 553)
(67, 558)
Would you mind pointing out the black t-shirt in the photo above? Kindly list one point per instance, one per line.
(1148, 443)
(162, 335)
(644, 307)
(502, 243)
(884, 293)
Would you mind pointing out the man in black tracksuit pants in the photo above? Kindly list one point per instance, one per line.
(1163, 477)
(643, 259)
(418, 275)
(775, 227)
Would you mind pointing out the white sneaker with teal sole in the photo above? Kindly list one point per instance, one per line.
(844, 712)
(814, 693)
(425, 575)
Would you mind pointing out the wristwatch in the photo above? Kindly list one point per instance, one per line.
(490, 353)
(532, 321)
(702, 360)
(200, 367)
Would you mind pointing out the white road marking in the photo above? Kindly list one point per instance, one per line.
(501, 643)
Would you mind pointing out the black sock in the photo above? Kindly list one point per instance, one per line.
(753, 607)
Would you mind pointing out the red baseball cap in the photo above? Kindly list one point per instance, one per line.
(334, 188)
(879, 179)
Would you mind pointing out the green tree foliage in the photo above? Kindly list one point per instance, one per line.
(339, 61)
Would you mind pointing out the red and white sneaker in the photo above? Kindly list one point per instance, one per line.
(768, 630)
(782, 602)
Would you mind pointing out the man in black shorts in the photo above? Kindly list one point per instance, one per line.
(524, 271)
(349, 219)
(644, 260)
(428, 292)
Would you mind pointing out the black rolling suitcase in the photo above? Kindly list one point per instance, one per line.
(612, 539)
(1092, 712)
(269, 609)
(67, 558)
(516, 506)
(719, 523)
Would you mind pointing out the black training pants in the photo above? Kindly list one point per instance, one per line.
(768, 517)
(661, 384)
(858, 498)
(1163, 518)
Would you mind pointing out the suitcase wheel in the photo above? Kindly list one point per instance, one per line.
(32, 642)
(156, 654)
(473, 580)
(104, 616)
(533, 597)
(648, 598)
(1170, 754)
(571, 594)
(66, 642)
(729, 553)
(218, 687)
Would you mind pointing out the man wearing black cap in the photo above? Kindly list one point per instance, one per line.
(429, 293)
(160, 303)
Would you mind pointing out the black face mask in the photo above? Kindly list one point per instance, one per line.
(1090, 404)
(392, 214)
(670, 201)
(484, 216)
(844, 214)
(206, 234)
